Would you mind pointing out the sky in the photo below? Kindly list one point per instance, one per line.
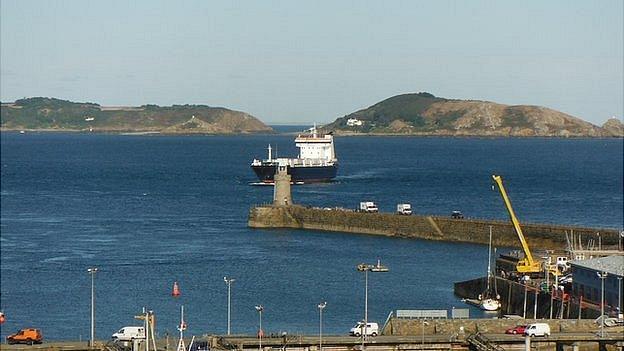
(301, 62)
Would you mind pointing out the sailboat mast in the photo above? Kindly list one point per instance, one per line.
(489, 269)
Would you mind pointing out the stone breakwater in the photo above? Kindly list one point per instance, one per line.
(543, 236)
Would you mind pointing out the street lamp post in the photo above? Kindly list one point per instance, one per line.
(92, 271)
(422, 345)
(321, 306)
(535, 306)
(260, 308)
(228, 281)
(602, 275)
(362, 267)
(619, 296)
(525, 301)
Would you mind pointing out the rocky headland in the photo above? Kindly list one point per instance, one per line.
(426, 114)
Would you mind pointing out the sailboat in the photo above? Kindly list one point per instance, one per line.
(489, 301)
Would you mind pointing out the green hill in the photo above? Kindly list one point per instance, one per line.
(41, 113)
(426, 114)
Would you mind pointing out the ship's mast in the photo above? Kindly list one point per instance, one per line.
(269, 148)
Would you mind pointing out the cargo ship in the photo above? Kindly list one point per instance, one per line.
(316, 162)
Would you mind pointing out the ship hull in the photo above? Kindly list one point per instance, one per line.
(305, 174)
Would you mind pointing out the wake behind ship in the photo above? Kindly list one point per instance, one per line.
(316, 163)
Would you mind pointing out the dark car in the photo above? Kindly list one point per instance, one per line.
(457, 215)
(519, 329)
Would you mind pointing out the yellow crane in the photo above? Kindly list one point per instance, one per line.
(527, 264)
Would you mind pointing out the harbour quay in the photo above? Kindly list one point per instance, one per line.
(442, 228)
(399, 334)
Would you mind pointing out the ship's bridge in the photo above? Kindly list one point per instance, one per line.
(316, 148)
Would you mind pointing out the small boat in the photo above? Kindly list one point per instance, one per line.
(379, 267)
(488, 300)
(490, 305)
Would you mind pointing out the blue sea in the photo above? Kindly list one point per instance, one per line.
(151, 210)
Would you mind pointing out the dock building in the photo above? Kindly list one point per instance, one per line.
(587, 282)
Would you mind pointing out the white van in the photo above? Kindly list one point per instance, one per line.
(404, 209)
(537, 329)
(372, 329)
(129, 334)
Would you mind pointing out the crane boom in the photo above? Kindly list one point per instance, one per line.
(528, 264)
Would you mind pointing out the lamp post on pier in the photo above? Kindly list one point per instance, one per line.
(321, 306)
(619, 296)
(92, 271)
(260, 308)
(362, 267)
(228, 281)
(422, 345)
(602, 275)
(535, 306)
(525, 301)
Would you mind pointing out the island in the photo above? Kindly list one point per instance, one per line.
(425, 114)
(50, 114)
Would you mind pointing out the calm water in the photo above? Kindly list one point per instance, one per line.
(152, 210)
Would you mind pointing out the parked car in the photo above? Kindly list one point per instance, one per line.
(372, 329)
(518, 329)
(537, 329)
(29, 336)
(457, 215)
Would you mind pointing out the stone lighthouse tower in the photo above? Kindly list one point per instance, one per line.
(281, 191)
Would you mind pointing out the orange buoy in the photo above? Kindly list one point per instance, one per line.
(176, 290)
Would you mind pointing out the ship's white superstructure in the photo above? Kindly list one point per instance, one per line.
(316, 161)
(316, 150)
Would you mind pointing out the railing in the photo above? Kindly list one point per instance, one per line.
(419, 314)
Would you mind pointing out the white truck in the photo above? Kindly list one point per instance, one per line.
(404, 209)
(537, 329)
(129, 334)
(372, 329)
(368, 207)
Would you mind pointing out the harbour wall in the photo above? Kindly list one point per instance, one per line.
(407, 327)
(542, 236)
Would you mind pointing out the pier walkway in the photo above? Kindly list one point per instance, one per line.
(493, 341)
